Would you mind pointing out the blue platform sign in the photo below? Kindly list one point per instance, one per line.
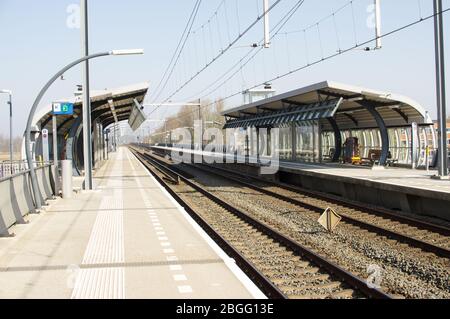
(63, 108)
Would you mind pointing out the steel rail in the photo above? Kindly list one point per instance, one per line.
(440, 251)
(378, 211)
(353, 281)
(266, 286)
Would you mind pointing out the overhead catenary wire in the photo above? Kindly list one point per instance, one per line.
(336, 31)
(276, 30)
(215, 58)
(206, 36)
(355, 35)
(419, 4)
(225, 12)
(237, 17)
(329, 57)
(175, 57)
(208, 20)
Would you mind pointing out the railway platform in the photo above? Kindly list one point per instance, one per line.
(399, 189)
(126, 239)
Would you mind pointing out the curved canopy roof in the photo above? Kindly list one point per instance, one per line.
(346, 104)
(107, 106)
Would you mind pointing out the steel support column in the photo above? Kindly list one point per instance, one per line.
(440, 89)
(71, 152)
(320, 144)
(337, 139)
(257, 144)
(87, 134)
(294, 141)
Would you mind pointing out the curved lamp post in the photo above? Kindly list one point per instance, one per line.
(10, 123)
(34, 183)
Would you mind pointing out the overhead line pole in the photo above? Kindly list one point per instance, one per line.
(87, 138)
(440, 90)
(30, 159)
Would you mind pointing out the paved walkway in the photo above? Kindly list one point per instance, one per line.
(126, 239)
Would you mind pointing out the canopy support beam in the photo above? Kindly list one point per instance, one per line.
(371, 107)
(337, 140)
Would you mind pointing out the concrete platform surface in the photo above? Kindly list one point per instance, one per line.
(126, 239)
(419, 180)
(409, 180)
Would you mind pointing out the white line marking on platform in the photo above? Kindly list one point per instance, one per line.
(168, 251)
(175, 267)
(179, 277)
(163, 238)
(184, 289)
(166, 244)
(229, 262)
(172, 258)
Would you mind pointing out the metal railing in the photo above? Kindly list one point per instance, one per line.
(8, 168)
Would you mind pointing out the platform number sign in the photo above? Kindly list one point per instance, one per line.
(64, 108)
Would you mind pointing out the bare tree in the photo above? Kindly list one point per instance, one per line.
(186, 116)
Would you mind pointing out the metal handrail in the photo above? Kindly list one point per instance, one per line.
(14, 168)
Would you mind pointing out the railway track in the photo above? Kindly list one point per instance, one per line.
(280, 266)
(415, 233)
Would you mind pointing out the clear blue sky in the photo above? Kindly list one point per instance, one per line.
(36, 42)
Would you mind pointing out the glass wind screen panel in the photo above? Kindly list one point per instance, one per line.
(253, 143)
(307, 143)
(404, 147)
(426, 140)
(285, 143)
(328, 146)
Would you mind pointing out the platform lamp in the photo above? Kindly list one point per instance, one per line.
(10, 123)
(34, 183)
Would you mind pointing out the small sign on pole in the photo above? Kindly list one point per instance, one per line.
(329, 219)
(63, 108)
(45, 149)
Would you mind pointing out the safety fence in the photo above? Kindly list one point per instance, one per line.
(8, 168)
(16, 196)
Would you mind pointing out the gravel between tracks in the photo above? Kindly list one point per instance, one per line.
(297, 278)
(405, 271)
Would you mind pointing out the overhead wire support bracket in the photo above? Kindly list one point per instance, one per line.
(378, 24)
(266, 24)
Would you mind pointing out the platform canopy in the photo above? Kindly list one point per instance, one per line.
(330, 103)
(107, 106)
